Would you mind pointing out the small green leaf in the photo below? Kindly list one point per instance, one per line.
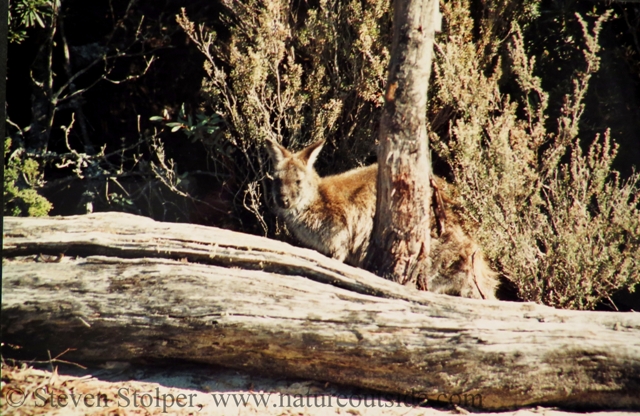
(39, 20)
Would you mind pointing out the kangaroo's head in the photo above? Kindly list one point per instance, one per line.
(295, 181)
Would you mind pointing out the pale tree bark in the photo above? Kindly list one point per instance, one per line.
(400, 242)
(128, 288)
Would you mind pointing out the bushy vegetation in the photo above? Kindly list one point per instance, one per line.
(21, 179)
(560, 224)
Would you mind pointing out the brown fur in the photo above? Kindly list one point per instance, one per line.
(334, 215)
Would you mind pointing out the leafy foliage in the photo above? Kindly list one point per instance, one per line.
(194, 127)
(22, 177)
(560, 224)
(25, 14)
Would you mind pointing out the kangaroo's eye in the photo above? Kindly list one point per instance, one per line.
(298, 181)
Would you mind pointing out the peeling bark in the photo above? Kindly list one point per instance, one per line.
(400, 243)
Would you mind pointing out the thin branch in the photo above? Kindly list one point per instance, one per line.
(132, 77)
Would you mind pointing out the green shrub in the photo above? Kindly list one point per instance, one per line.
(21, 178)
(560, 224)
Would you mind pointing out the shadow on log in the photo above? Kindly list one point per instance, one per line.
(118, 287)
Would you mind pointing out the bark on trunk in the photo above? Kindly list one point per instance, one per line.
(129, 288)
(400, 240)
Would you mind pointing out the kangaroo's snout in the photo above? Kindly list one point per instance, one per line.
(282, 201)
(284, 193)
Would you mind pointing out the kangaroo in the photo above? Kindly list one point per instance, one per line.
(334, 215)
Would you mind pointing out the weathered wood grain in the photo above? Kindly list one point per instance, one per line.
(129, 288)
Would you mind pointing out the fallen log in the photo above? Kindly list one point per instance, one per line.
(119, 287)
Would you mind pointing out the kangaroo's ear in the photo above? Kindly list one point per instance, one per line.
(310, 154)
(276, 152)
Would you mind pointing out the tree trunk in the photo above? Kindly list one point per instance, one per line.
(118, 287)
(400, 240)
